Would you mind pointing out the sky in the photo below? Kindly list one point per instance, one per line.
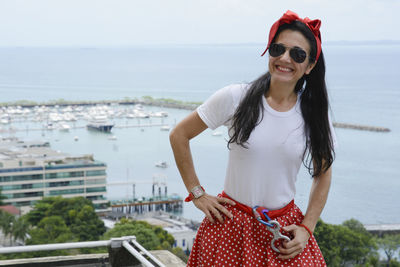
(132, 22)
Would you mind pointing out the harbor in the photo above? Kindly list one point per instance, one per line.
(57, 115)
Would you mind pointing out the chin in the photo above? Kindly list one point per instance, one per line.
(284, 78)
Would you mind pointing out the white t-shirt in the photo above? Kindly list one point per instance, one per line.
(265, 172)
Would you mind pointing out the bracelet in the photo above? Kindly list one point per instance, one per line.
(307, 229)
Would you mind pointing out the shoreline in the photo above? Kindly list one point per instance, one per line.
(159, 102)
(145, 100)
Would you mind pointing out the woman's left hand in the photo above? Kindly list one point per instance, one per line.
(290, 249)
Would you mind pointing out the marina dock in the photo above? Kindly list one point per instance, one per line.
(133, 208)
(20, 113)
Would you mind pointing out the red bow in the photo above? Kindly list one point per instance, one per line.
(288, 18)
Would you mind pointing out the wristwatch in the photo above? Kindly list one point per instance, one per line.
(196, 192)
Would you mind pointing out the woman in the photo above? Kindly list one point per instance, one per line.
(275, 123)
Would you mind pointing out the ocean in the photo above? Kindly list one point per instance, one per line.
(361, 82)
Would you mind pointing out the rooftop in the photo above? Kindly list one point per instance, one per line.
(15, 153)
(10, 209)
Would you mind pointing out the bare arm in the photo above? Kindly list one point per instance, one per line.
(317, 199)
(180, 136)
(318, 196)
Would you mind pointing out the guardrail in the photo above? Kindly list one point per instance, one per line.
(127, 242)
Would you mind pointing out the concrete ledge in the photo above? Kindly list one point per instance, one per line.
(168, 258)
(88, 260)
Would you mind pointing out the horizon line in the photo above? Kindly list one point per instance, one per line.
(87, 46)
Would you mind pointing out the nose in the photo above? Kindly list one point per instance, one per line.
(286, 56)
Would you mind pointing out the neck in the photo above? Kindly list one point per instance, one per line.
(281, 93)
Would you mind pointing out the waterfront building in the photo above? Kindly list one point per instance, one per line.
(32, 170)
(183, 230)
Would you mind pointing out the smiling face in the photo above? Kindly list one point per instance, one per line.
(283, 68)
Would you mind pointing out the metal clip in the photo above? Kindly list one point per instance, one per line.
(277, 234)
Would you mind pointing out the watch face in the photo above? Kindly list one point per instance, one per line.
(197, 192)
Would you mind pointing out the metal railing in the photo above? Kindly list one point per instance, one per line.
(128, 242)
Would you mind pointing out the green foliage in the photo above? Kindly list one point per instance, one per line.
(344, 244)
(180, 253)
(39, 211)
(2, 197)
(149, 236)
(389, 244)
(57, 220)
(50, 230)
(20, 229)
(143, 231)
(14, 228)
(77, 213)
(6, 222)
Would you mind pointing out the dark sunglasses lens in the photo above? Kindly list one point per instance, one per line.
(275, 50)
(298, 54)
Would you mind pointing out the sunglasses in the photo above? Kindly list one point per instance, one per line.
(296, 53)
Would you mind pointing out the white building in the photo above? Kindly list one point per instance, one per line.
(178, 227)
(32, 170)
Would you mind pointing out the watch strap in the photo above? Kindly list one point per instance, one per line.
(191, 196)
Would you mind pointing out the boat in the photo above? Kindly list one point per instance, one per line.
(216, 133)
(165, 128)
(161, 164)
(100, 123)
(112, 137)
(64, 127)
(159, 114)
(50, 126)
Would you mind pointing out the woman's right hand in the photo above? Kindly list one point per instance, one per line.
(212, 206)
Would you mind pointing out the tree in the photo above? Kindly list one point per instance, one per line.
(20, 229)
(344, 244)
(50, 230)
(85, 224)
(77, 213)
(7, 221)
(390, 243)
(2, 197)
(143, 232)
(149, 236)
(39, 211)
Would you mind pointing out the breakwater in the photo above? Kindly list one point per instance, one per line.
(146, 100)
(360, 127)
(162, 102)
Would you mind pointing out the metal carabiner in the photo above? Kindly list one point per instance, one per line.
(258, 217)
(277, 234)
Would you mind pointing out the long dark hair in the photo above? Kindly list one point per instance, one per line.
(319, 153)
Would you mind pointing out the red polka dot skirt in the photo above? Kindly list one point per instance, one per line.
(243, 241)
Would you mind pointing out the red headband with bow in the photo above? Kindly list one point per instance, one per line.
(288, 18)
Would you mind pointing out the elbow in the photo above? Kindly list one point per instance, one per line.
(174, 137)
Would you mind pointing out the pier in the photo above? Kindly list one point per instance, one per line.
(120, 209)
(167, 204)
(360, 127)
(381, 229)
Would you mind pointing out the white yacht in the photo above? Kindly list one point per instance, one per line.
(100, 123)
